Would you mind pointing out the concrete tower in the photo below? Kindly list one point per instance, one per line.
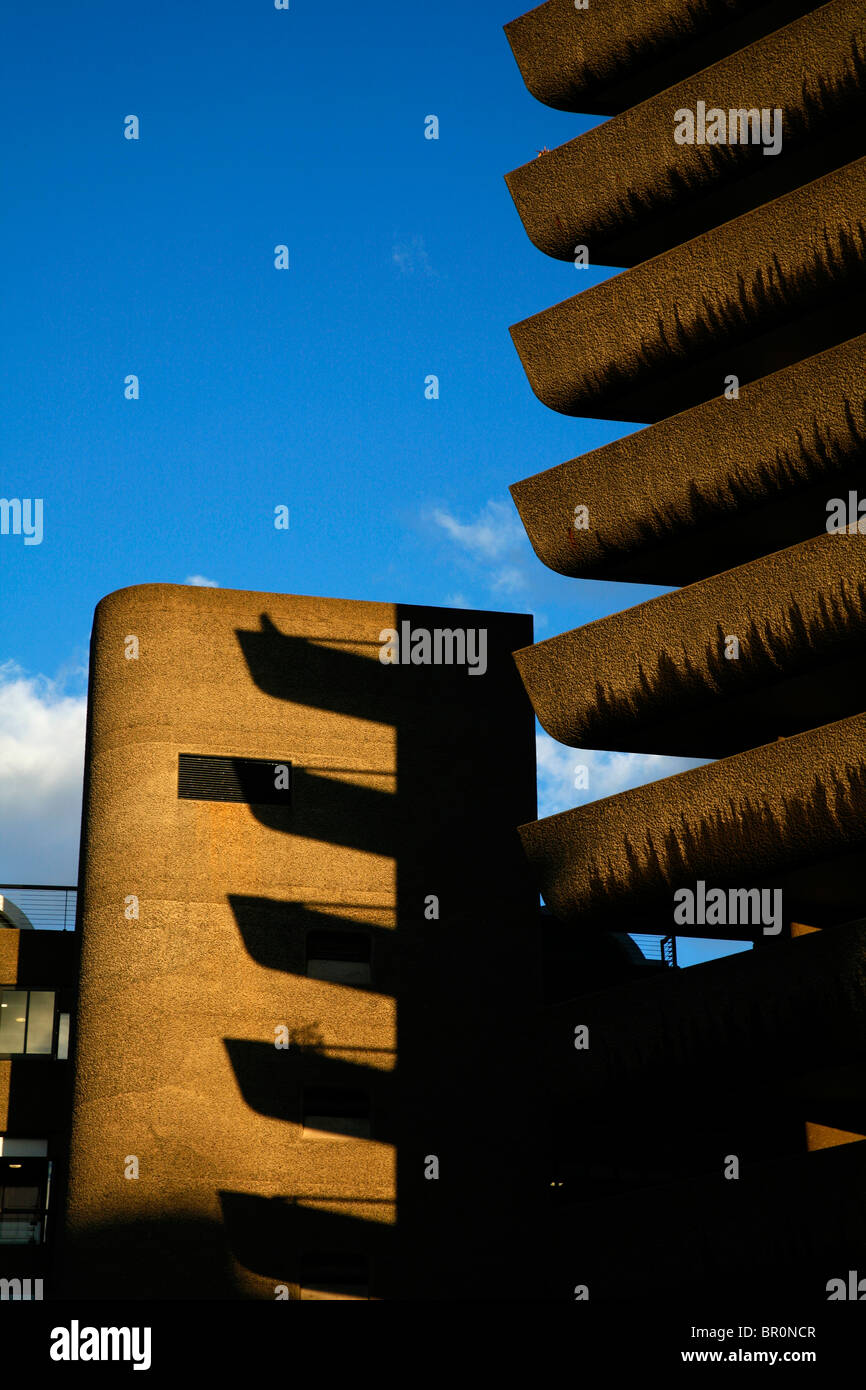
(730, 183)
(308, 951)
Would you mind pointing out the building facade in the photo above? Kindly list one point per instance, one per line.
(307, 945)
(709, 1135)
(38, 975)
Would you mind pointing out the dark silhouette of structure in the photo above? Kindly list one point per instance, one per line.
(685, 1121)
(38, 978)
(325, 1045)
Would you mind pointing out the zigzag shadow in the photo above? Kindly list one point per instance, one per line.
(765, 302)
(275, 934)
(825, 105)
(270, 1234)
(821, 452)
(274, 1083)
(744, 839)
(771, 650)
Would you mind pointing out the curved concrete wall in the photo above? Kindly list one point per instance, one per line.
(397, 779)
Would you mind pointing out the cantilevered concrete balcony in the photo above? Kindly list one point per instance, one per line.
(790, 815)
(627, 190)
(606, 57)
(736, 333)
(761, 652)
(712, 487)
(745, 299)
(736, 1022)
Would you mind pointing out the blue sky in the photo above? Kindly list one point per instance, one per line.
(260, 387)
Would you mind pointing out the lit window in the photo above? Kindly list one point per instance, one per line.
(11, 1146)
(27, 1021)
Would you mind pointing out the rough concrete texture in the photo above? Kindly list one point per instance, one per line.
(710, 488)
(666, 677)
(654, 1085)
(627, 191)
(9, 939)
(736, 1022)
(772, 816)
(9, 976)
(765, 290)
(607, 56)
(398, 780)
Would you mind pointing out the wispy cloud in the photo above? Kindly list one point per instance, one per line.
(496, 531)
(495, 545)
(41, 771)
(202, 583)
(606, 773)
(410, 257)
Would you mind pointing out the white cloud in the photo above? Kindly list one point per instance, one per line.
(202, 583)
(41, 770)
(508, 579)
(411, 256)
(495, 545)
(607, 773)
(493, 535)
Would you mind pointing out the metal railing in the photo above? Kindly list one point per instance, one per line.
(661, 950)
(23, 1228)
(46, 908)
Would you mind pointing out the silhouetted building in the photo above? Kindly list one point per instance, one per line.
(730, 181)
(38, 970)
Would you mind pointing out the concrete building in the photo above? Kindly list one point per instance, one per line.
(307, 949)
(687, 1119)
(325, 1046)
(38, 971)
(308, 972)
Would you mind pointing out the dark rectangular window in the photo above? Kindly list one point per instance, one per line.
(336, 1110)
(341, 1275)
(340, 956)
(255, 781)
(27, 1022)
(23, 1200)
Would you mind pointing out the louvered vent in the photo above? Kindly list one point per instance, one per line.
(255, 781)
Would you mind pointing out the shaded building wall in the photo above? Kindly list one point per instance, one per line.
(684, 1127)
(35, 1090)
(407, 784)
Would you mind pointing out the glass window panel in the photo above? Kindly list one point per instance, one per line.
(338, 945)
(13, 1016)
(20, 1230)
(336, 1110)
(21, 1199)
(63, 1037)
(340, 972)
(334, 1276)
(14, 1147)
(340, 956)
(40, 1022)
